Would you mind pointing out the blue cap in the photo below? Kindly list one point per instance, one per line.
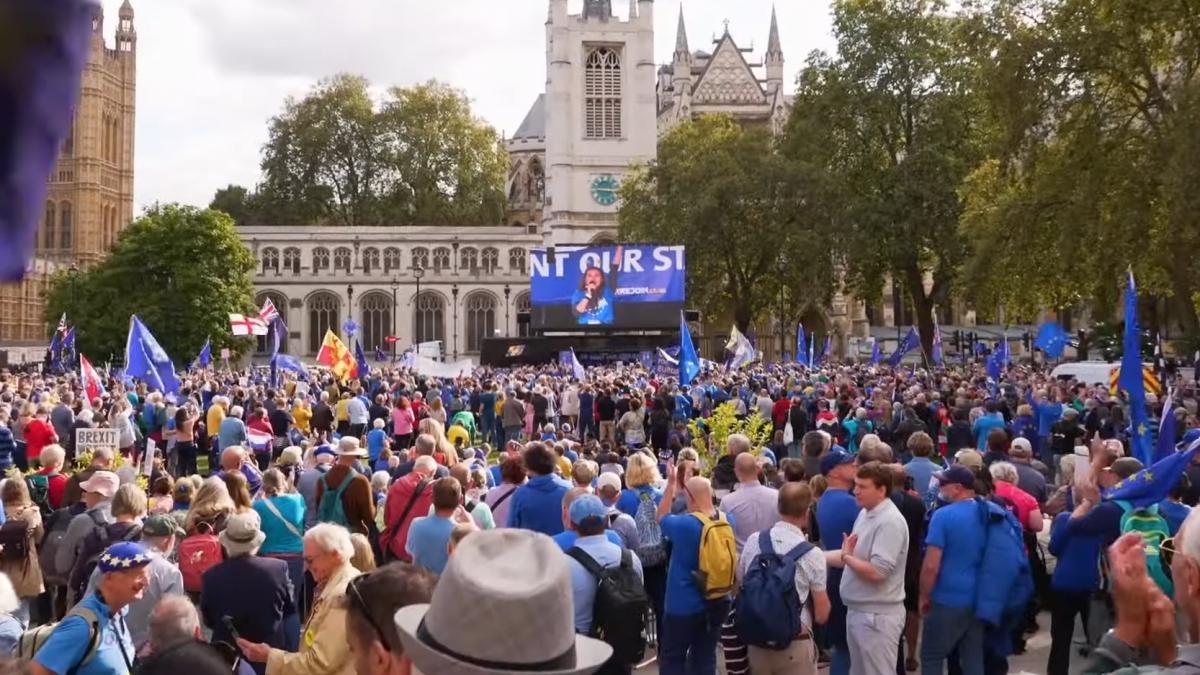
(324, 450)
(835, 458)
(125, 555)
(587, 506)
(958, 474)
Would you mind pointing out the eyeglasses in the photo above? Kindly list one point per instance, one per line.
(366, 609)
(1166, 551)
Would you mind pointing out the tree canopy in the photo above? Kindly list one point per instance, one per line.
(180, 269)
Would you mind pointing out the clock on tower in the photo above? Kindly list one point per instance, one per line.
(604, 189)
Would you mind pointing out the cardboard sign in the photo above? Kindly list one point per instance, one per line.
(225, 354)
(90, 440)
(148, 465)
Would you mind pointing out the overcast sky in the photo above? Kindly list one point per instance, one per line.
(211, 73)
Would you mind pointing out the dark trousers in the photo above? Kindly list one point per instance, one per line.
(656, 587)
(688, 645)
(1065, 606)
(186, 454)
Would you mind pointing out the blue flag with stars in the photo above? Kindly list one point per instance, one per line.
(361, 360)
(1150, 486)
(1052, 339)
(205, 356)
(1131, 380)
(689, 360)
(876, 354)
(146, 360)
(910, 342)
(802, 356)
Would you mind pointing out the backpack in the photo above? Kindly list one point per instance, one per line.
(652, 548)
(105, 538)
(1004, 599)
(331, 509)
(198, 553)
(714, 575)
(16, 541)
(767, 606)
(56, 529)
(32, 640)
(39, 491)
(1149, 523)
(619, 610)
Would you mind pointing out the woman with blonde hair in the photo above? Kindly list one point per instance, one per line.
(239, 491)
(364, 557)
(443, 447)
(437, 410)
(281, 511)
(211, 506)
(25, 573)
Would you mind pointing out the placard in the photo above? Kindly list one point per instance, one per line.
(90, 440)
(225, 353)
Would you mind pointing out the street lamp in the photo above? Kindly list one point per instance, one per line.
(781, 267)
(418, 271)
(395, 289)
(454, 292)
(350, 304)
(507, 292)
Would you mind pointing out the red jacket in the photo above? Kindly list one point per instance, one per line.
(395, 533)
(779, 413)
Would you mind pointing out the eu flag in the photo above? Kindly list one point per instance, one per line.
(997, 362)
(1151, 486)
(910, 342)
(68, 348)
(205, 356)
(802, 356)
(689, 361)
(1131, 380)
(361, 360)
(876, 355)
(146, 359)
(937, 343)
(1166, 430)
(1052, 339)
(577, 367)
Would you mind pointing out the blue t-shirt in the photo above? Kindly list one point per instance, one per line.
(1174, 513)
(428, 538)
(984, 426)
(68, 644)
(376, 438)
(683, 598)
(836, 512)
(280, 539)
(601, 314)
(567, 538)
(631, 498)
(955, 529)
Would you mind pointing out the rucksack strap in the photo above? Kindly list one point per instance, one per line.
(798, 551)
(589, 563)
(94, 633)
(765, 546)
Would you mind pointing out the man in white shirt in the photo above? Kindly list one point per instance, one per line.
(794, 504)
(872, 587)
(752, 505)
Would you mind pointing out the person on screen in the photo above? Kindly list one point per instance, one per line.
(592, 304)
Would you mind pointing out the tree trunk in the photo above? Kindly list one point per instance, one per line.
(1185, 309)
(923, 309)
(742, 316)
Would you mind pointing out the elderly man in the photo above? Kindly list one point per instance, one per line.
(323, 458)
(102, 460)
(98, 491)
(232, 431)
(424, 446)
(408, 498)
(324, 649)
(345, 483)
(371, 601)
(1029, 478)
(235, 458)
(724, 476)
(176, 643)
(123, 579)
(752, 506)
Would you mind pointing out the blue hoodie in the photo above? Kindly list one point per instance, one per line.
(1078, 568)
(537, 505)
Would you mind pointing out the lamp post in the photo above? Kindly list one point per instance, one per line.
(454, 292)
(507, 292)
(395, 290)
(781, 267)
(418, 271)
(350, 303)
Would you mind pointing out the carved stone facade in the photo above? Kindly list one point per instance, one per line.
(90, 190)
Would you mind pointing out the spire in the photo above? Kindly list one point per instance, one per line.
(126, 11)
(600, 9)
(681, 43)
(773, 44)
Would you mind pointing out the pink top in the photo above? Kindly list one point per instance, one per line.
(1021, 499)
(402, 421)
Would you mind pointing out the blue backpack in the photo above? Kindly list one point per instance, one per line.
(767, 609)
(652, 548)
(1005, 565)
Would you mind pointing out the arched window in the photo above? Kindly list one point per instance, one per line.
(524, 304)
(429, 318)
(270, 260)
(320, 259)
(602, 93)
(266, 343)
(376, 320)
(391, 259)
(516, 260)
(537, 181)
(323, 309)
(341, 259)
(420, 257)
(66, 224)
(468, 258)
(47, 240)
(481, 319)
(370, 259)
(490, 260)
(291, 259)
(441, 259)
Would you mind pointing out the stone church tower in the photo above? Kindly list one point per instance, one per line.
(599, 114)
(90, 190)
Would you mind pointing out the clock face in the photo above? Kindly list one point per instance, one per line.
(604, 189)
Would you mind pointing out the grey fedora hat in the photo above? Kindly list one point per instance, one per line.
(517, 587)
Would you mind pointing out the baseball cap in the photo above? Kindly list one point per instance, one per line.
(1124, 467)
(324, 450)
(608, 479)
(161, 526)
(101, 482)
(1022, 447)
(835, 458)
(587, 506)
(958, 475)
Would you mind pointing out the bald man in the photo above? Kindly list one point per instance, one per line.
(752, 505)
(233, 459)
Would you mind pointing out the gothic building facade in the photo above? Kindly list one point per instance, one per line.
(89, 199)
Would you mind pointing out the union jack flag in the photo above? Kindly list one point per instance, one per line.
(268, 313)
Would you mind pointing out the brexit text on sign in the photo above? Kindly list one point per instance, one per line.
(90, 440)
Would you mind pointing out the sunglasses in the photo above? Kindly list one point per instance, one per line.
(366, 610)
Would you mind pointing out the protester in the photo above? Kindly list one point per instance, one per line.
(175, 643)
(22, 529)
(408, 499)
(752, 505)
(837, 511)
(371, 601)
(428, 536)
(536, 504)
(281, 512)
(344, 494)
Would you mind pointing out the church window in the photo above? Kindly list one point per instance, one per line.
(441, 259)
(376, 319)
(391, 259)
(421, 258)
(481, 319)
(270, 260)
(320, 259)
(323, 311)
(429, 320)
(341, 259)
(48, 227)
(370, 260)
(524, 305)
(602, 93)
(468, 259)
(490, 260)
(291, 260)
(516, 260)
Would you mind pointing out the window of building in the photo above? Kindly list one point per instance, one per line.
(420, 258)
(370, 259)
(441, 259)
(490, 260)
(291, 260)
(66, 223)
(602, 93)
(376, 320)
(320, 259)
(322, 316)
(429, 318)
(516, 260)
(524, 305)
(47, 238)
(391, 259)
(341, 259)
(270, 260)
(468, 258)
(481, 319)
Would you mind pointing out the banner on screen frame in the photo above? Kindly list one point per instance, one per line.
(607, 286)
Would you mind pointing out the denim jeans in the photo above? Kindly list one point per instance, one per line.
(688, 645)
(946, 629)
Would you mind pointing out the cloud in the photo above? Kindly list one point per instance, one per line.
(211, 73)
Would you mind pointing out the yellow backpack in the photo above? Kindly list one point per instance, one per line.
(715, 576)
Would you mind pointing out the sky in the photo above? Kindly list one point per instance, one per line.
(211, 73)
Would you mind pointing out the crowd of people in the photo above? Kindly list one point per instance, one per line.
(873, 519)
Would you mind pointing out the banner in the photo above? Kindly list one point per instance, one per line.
(607, 286)
(90, 440)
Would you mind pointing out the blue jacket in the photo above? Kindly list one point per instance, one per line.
(1005, 565)
(255, 592)
(537, 505)
(1078, 568)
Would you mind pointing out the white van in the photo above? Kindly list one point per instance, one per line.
(1087, 372)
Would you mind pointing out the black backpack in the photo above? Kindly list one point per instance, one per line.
(619, 611)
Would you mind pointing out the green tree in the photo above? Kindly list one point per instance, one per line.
(180, 269)
(885, 129)
(421, 157)
(238, 202)
(724, 191)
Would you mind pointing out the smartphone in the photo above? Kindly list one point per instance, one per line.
(227, 621)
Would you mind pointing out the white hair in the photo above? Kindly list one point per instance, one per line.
(103, 453)
(173, 621)
(425, 464)
(53, 455)
(378, 423)
(380, 480)
(220, 400)
(1003, 471)
(331, 539)
(235, 411)
(9, 602)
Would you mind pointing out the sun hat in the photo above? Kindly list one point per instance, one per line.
(243, 534)
(348, 447)
(104, 483)
(518, 586)
(608, 479)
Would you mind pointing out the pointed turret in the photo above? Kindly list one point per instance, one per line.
(681, 41)
(773, 45)
(773, 60)
(126, 35)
